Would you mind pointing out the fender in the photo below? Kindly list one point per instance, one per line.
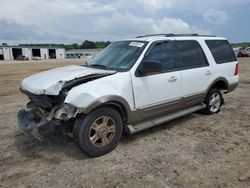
(108, 99)
(212, 84)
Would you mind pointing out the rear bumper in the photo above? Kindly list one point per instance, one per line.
(232, 87)
(32, 124)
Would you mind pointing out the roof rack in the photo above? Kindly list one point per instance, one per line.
(176, 35)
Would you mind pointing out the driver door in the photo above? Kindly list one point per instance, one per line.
(158, 93)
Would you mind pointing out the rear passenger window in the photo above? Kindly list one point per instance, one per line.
(163, 52)
(221, 51)
(189, 55)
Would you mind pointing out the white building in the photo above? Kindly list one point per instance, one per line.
(85, 54)
(12, 52)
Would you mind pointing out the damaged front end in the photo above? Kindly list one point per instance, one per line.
(32, 124)
(46, 114)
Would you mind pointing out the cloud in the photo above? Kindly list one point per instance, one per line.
(154, 5)
(215, 16)
(128, 24)
(14, 31)
(71, 21)
(42, 11)
(11, 31)
(78, 6)
(114, 27)
(203, 5)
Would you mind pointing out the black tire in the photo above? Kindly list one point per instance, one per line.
(209, 108)
(82, 128)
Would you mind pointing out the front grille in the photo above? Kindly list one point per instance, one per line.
(41, 101)
(44, 101)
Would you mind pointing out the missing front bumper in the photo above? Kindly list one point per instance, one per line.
(32, 124)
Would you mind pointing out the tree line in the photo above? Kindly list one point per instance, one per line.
(242, 44)
(87, 44)
(84, 45)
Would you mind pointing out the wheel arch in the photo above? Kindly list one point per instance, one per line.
(220, 83)
(117, 102)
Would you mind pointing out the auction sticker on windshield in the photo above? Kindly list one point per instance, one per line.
(136, 44)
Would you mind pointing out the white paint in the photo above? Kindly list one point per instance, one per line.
(44, 53)
(7, 53)
(154, 89)
(27, 52)
(195, 81)
(139, 92)
(225, 70)
(60, 53)
(118, 84)
(50, 82)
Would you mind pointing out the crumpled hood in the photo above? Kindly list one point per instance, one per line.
(52, 81)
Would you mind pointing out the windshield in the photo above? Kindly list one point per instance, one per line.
(119, 56)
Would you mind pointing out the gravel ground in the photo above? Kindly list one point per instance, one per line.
(193, 151)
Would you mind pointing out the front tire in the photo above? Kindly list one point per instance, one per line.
(99, 132)
(213, 101)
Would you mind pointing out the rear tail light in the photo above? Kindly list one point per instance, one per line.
(236, 70)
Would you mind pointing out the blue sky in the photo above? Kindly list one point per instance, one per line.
(70, 21)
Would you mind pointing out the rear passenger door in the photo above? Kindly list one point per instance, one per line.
(195, 71)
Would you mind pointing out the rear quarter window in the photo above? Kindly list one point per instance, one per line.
(221, 51)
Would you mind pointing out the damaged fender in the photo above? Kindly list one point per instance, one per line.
(97, 92)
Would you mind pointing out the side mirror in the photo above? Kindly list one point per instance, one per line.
(148, 67)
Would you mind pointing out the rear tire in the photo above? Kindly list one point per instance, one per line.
(213, 101)
(99, 132)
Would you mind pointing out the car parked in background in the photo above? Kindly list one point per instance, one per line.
(36, 58)
(237, 50)
(247, 50)
(22, 58)
(241, 52)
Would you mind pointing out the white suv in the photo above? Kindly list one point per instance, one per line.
(130, 86)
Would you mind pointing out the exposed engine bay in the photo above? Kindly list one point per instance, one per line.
(45, 113)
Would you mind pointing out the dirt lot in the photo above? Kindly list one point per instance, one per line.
(193, 151)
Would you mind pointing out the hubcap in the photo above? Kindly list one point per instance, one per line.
(102, 131)
(215, 102)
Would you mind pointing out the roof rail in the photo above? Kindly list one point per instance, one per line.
(176, 35)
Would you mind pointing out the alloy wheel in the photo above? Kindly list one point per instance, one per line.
(215, 102)
(102, 131)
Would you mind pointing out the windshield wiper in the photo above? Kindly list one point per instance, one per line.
(100, 66)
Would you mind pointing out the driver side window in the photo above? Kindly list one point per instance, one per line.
(164, 53)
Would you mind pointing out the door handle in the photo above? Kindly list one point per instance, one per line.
(172, 79)
(208, 73)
